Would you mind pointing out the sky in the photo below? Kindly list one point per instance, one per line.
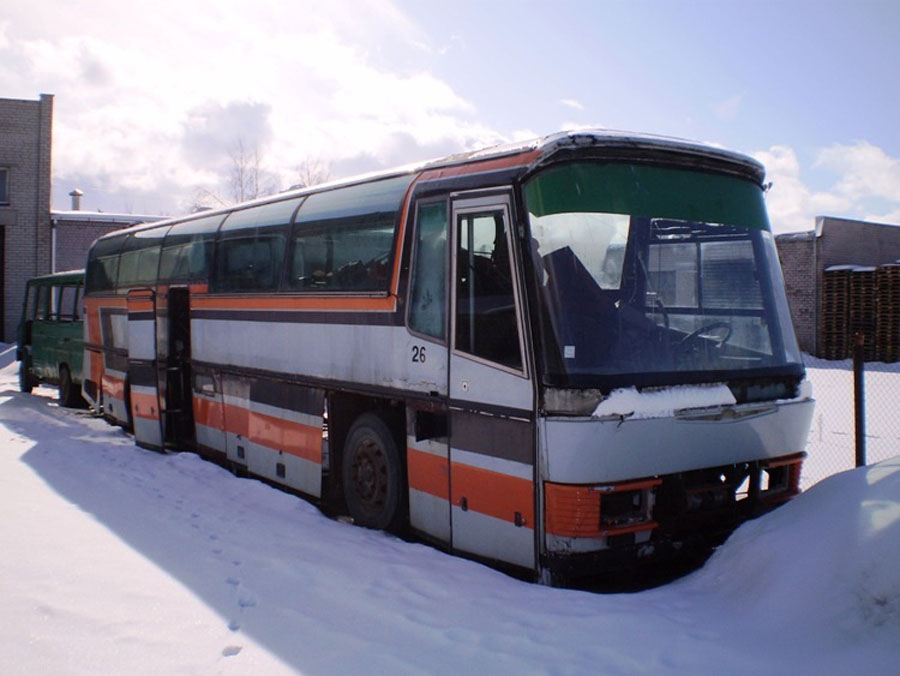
(154, 100)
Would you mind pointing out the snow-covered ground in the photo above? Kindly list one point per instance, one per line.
(118, 560)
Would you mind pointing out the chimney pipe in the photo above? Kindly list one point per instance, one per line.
(76, 199)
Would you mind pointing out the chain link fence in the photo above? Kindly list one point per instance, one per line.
(831, 447)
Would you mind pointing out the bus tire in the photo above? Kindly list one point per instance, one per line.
(371, 473)
(69, 396)
(26, 382)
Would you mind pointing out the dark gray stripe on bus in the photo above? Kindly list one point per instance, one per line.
(302, 317)
(141, 316)
(288, 396)
(489, 435)
(493, 409)
(116, 360)
(142, 373)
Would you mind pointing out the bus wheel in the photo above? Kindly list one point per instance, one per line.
(26, 384)
(69, 396)
(371, 473)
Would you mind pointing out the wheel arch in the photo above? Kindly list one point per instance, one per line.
(344, 409)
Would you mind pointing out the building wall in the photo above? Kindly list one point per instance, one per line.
(797, 253)
(842, 241)
(25, 142)
(805, 257)
(74, 238)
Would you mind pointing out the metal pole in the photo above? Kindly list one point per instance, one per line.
(859, 399)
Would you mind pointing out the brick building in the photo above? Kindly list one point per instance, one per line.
(73, 231)
(25, 139)
(33, 240)
(835, 244)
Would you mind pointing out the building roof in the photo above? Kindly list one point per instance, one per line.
(102, 217)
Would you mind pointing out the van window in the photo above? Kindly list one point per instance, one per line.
(68, 303)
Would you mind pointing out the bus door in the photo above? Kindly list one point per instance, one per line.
(492, 456)
(175, 373)
(142, 379)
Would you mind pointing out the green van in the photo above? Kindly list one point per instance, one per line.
(50, 338)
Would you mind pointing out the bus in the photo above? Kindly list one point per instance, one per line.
(49, 340)
(565, 356)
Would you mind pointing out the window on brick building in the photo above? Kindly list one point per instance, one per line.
(4, 185)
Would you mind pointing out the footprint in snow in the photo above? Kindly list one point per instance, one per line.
(231, 650)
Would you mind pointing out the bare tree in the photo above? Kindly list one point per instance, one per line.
(312, 172)
(248, 178)
(206, 199)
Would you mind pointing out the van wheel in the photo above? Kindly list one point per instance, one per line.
(371, 473)
(26, 383)
(69, 396)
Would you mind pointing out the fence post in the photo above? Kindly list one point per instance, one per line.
(859, 399)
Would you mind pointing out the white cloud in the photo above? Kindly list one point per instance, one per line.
(572, 103)
(866, 186)
(792, 205)
(145, 99)
(866, 170)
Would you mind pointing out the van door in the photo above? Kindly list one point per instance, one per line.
(492, 458)
(143, 389)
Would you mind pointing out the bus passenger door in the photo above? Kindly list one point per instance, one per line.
(175, 374)
(492, 456)
(144, 393)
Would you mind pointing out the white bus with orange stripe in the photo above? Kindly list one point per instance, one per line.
(564, 356)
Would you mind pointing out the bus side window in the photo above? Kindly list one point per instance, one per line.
(251, 263)
(343, 238)
(428, 305)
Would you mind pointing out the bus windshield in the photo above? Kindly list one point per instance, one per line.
(655, 276)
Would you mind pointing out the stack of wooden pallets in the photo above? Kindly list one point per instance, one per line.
(835, 312)
(888, 322)
(863, 311)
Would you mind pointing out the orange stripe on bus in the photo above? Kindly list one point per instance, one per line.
(141, 305)
(112, 387)
(387, 303)
(304, 441)
(144, 406)
(494, 494)
(209, 413)
(478, 167)
(401, 237)
(428, 473)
